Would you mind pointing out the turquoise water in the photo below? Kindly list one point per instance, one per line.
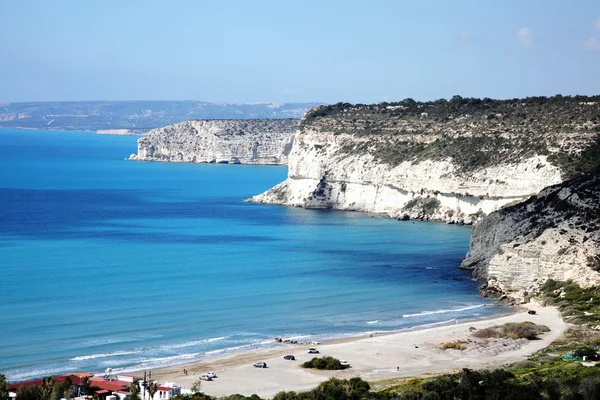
(129, 265)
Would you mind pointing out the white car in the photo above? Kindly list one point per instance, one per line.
(211, 374)
(344, 362)
(312, 350)
(260, 364)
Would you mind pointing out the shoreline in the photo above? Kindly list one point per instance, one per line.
(378, 357)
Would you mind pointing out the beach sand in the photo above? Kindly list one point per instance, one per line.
(377, 358)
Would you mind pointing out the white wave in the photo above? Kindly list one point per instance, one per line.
(216, 339)
(21, 374)
(296, 337)
(102, 355)
(213, 352)
(192, 343)
(160, 360)
(416, 328)
(451, 310)
(105, 341)
(247, 346)
(372, 322)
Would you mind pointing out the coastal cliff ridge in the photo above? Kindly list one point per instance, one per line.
(220, 141)
(453, 161)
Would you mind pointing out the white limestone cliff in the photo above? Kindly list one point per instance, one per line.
(553, 235)
(321, 175)
(220, 141)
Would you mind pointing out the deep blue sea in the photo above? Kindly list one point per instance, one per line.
(130, 265)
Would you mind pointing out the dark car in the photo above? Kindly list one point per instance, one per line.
(260, 365)
(289, 357)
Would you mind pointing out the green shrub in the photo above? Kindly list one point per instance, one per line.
(585, 351)
(424, 205)
(328, 363)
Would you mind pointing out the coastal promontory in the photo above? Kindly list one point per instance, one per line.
(553, 235)
(267, 141)
(453, 161)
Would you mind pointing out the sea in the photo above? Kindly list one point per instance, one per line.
(108, 263)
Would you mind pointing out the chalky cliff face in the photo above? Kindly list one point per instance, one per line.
(555, 234)
(220, 141)
(448, 161)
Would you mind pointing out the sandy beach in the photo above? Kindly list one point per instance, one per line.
(378, 358)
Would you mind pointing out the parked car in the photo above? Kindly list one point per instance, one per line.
(312, 350)
(211, 374)
(260, 364)
(289, 357)
(344, 362)
(205, 377)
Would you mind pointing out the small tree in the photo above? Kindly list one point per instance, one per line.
(152, 388)
(134, 389)
(47, 386)
(196, 386)
(57, 392)
(3, 387)
(69, 394)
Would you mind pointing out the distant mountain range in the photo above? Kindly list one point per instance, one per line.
(135, 116)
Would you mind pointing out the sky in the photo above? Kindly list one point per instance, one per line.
(295, 51)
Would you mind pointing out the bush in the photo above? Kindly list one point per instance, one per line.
(585, 351)
(512, 330)
(338, 389)
(456, 345)
(328, 363)
(486, 333)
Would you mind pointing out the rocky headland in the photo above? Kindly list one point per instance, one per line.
(454, 161)
(220, 141)
(465, 161)
(553, 235)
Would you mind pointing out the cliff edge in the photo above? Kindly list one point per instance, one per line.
(453, 161)
(220, 141)
(553, 235)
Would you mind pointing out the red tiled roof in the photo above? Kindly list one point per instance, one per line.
(77, 378)
(114, 385)
(26, 384)
(164, 388)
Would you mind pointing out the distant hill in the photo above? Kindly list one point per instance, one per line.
(135, 116)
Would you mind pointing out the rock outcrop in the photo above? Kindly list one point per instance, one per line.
(220, 141)
(450, 161)
(553, 235)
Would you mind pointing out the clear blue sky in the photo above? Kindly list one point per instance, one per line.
(292, 50)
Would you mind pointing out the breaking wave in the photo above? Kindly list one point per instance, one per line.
(446, 311)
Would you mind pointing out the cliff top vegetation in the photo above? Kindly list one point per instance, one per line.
(473, 133)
